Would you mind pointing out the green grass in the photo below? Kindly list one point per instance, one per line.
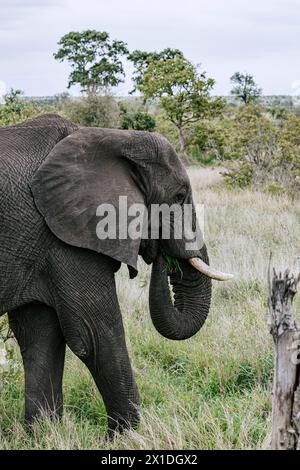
(210, 392)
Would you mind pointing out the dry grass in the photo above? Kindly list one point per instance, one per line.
(212, 391)
(206, 177)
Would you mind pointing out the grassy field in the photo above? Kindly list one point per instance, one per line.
(212, 391)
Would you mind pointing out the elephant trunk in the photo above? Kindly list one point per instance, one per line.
(192, 295)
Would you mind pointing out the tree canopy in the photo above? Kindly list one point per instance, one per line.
(94, 58)
(142, 59)
(245, 87)
(184, 93)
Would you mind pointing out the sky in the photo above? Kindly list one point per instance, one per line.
(261, 37)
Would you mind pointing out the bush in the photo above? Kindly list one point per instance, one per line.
(263, 151)
(94, 111)
(16, 110)
(208, 141)
(140, 121)
(288, 165)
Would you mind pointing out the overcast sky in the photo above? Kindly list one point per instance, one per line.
(259, 36)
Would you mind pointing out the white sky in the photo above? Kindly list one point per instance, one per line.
(258, 36)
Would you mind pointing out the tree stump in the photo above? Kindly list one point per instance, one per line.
(286, 387)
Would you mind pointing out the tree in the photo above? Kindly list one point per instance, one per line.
(13, 96)
(142, 59)
(183, 93)
(245, 87)
(95, 59)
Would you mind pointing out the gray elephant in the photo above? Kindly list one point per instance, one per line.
(57, 277)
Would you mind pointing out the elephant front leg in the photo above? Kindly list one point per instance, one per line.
(110, 367)
(87, 306)
(42, 345)
(101, 347)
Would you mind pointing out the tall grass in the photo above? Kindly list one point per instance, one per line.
(212, 391)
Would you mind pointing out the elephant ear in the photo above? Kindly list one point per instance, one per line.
(83, 171)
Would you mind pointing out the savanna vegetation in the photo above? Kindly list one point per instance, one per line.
(214, 390)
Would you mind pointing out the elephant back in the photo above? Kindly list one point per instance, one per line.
(23, 148)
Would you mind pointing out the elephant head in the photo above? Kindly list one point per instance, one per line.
(94, 167)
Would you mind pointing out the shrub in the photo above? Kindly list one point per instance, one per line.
(94, 111)
(16, 109)
(288, 165)
(263, 151)
(139, 121)
(208, 141)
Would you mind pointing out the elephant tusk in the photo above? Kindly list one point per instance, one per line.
(204, 268)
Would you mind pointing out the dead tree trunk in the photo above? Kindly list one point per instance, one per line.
(286, 388)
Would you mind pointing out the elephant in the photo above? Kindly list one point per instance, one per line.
(57, 277)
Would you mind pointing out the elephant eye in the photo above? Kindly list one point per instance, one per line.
(179, 198)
